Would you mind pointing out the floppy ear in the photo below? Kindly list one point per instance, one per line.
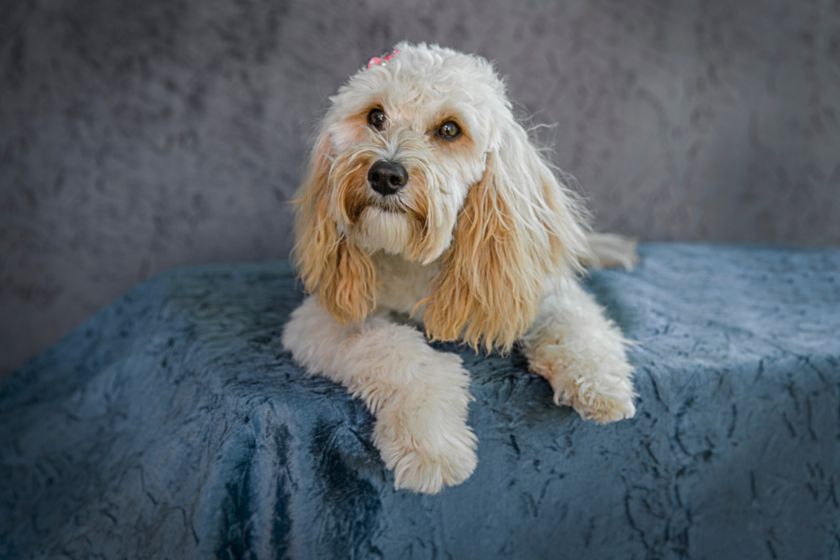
(518, 225)
(331, 266)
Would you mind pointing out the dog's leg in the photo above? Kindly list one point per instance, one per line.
(581, 353)
(419, 396)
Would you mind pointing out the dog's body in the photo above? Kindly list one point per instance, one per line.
(426, 199)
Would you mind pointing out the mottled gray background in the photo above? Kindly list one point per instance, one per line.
(137, 136)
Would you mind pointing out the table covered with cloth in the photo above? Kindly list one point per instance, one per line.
(173, 424)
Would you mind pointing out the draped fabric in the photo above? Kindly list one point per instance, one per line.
(172, 424)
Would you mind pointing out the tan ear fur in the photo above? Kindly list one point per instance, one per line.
(517, 225)
(340, 273)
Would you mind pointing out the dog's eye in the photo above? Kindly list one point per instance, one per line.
(449, 131)
(376, 118)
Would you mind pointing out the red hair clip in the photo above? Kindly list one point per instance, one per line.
(384, 59)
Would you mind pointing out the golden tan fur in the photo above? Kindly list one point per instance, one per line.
(489, 288)
(330, 265)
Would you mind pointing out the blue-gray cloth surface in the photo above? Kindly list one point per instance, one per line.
(173, 425)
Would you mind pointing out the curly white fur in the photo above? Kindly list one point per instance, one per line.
(482, 244)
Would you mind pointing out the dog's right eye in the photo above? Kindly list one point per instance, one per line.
(376, 118)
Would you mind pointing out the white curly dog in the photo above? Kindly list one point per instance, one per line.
(426, 204)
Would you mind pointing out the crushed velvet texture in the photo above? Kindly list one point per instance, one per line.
(172, 424)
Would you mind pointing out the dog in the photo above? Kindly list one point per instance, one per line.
(425, 203)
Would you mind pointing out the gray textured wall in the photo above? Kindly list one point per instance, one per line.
(136, 136)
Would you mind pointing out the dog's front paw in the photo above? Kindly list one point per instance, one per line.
(602, 397)
(423, 465)
(422, 434)
(599, 388)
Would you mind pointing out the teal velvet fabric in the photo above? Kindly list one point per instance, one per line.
(173, 425)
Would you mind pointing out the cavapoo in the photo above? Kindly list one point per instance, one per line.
(425, 199)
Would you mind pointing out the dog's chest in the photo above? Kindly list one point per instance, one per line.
(400, 283)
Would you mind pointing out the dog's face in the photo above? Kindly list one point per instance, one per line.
(420, 156)
(407, 138)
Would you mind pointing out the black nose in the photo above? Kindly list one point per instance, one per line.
(387, 177)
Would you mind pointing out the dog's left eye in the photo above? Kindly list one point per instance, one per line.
(449, 131)
(376, 118)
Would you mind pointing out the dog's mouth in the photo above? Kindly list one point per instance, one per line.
(372, 209)
(361, 203)
(386, 205)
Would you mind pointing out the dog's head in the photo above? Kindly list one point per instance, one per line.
(420, 155)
